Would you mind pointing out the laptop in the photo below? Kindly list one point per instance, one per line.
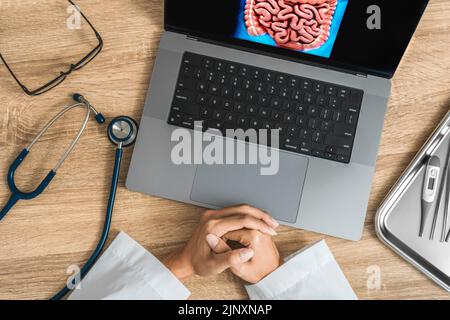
(314, 73)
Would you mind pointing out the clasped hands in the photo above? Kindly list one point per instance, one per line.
(208, 251)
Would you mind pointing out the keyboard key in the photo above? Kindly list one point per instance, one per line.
(232, 68)
(187, 70)
(309, 98)
(269, 76)
(313, 111)
(211, 76)
(301, 121)
(338, 116)
(330, 156)
(343, 142)
(207, 63)
(222, 79)
(293, 131)
(335, 103)
(276, 115)
(186, 83)
(205, 113)
(215, 102)
(297, 95)
(275, 103)
(192, 110)
(281, 80)
(325, 114)
(252, 110)
(322, 101)
(235, 81)
(318, 88)
(254, 123)
(289, 118)
(239, 107)
(243, 71)
(247, 84)
(202, 86)
(293, 82)
(256, 75)
(306, 85)
(184, 95)
(342, 129)
(343, 93)
(252, 97)
(263, 100)
(317, 137)
(351, 118)
(330, 90)
(313, 124)
(290, 144)
(230, 117)
(264, 112)
(220, 66)
(325, 126)
(242, 122)
(272, 89)
(192, 59)
(239, 94)
(299, 108)
(227, 92)
(218, 115)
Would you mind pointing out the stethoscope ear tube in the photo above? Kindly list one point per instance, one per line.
(16, 194)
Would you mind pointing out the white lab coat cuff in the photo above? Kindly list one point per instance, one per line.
(126, 270)
(310, 274)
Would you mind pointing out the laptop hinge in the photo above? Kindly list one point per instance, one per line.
(191, 38)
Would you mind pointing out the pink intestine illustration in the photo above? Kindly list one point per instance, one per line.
(293, 24)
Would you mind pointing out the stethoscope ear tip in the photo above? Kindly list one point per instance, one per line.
(78, 97)
(100, 118)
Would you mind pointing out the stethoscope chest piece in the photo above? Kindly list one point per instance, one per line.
(122, 131)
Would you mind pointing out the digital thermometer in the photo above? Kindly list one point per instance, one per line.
(429, 189)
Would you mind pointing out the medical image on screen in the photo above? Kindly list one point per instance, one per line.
(309, 26)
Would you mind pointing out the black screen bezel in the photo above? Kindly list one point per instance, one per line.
(286, 53)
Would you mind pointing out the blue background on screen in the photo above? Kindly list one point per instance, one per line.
(323, 51)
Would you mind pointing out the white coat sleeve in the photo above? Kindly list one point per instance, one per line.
(309, 274)
(126, 270)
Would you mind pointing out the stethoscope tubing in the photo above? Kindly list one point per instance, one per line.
(106, 227)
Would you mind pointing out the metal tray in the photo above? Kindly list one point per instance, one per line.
(398, 217)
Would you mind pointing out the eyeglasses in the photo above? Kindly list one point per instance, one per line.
(63, 74)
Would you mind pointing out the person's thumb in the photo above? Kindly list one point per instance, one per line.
(217, 244)
(233, 258)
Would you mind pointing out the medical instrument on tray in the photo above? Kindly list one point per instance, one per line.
(122, 132)
(430, 183)
(447, 198)
(444, 184)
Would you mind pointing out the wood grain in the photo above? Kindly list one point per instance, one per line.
(40, 239)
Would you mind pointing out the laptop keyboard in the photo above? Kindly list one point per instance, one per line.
(314, 118)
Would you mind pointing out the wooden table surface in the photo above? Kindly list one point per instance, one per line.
(40, 239)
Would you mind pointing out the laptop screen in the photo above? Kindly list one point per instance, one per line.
(366, 36)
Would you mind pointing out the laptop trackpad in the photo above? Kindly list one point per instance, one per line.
(228, 185)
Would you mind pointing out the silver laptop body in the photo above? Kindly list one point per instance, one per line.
(309, 193)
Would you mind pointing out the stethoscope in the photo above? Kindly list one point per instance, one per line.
(122, 132)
